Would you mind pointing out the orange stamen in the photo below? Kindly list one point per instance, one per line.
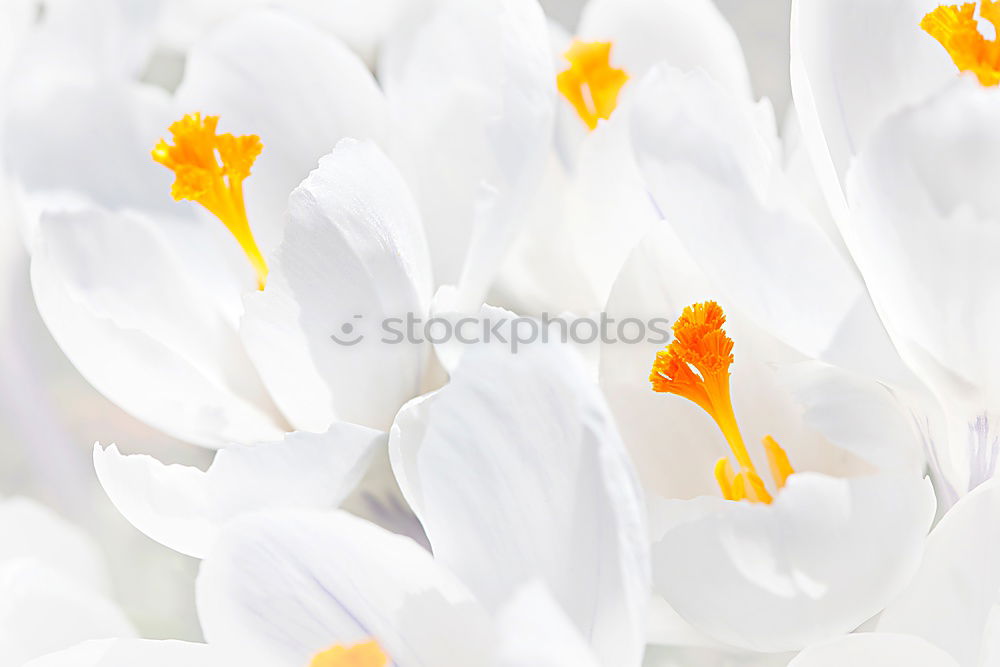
(591, 84)
(956, 28)
(696, 366)
(210, 168)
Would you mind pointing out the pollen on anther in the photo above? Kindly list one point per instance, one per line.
(956, 28)
(209, 168)
(590, 83)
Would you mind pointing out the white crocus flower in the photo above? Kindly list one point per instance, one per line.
(164, 340)
(53, 585)
(353, 255)
(593, 206)
(715, 167)
(827, 533)
(538, 534)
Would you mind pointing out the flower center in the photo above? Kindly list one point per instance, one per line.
(957, 30)
(366, 654)
(591, 84)
(695, 366)
(209, 168)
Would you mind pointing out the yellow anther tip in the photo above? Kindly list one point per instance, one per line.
(590, 83)
(209, 168)
(367, 654)
(777, 460)
(700, 343)
(956, 28)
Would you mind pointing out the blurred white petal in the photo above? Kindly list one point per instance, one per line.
(35, 533)
(686, 34)
(873, 650)
(44, 610)
(133, 652)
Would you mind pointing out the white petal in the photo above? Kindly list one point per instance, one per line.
(581, 227)
(286, 585)
(535, 632)
(121, 306)
(36, 533)
(43, 610)
(360, 24)
(74, 146)
(72, 118)
(953, 594)
(856, 414)
(184, 508)
(824, 557)
(91, 143)
(873, 650)
(18, 17)
(545, 491)
(297, 88)
(854, 64)
(686, 34)
(669, 656)
(923, 234)
(472, 92)
(84, 42)
(353, 256)
(133, 652)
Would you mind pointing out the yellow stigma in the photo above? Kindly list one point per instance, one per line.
(957, 30)
(591, 84)
(367, 654)
(209, 168)
(695, 366)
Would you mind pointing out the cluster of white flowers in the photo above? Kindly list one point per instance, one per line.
(221, 200)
